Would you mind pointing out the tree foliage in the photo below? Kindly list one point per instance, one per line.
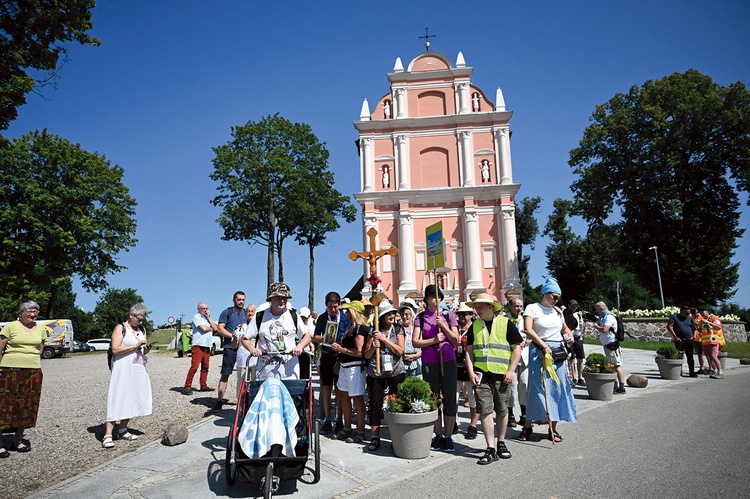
(31, 37)
(64, 212)
(527, 229)
(274, 183)
(659, 165)
(113, 308)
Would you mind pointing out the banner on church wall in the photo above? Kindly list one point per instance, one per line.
(435, 246)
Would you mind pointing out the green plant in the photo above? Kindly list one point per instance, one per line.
(414, 395)
(598, 363)
(669, 352)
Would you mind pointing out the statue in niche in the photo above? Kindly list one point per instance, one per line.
(386, 177)
(484, 166)
(475, 101)
(387, 109)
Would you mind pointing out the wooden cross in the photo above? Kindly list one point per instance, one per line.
(372, 258)
(373, 255)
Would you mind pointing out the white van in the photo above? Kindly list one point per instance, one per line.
(59, 337)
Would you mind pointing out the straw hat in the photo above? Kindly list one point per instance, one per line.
(464, 308)
(385, 309)
(485, 298)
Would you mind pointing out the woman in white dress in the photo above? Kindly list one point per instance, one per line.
(129, 386)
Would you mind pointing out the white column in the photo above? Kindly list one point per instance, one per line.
(401, 107)
(463, 98)
(502, 141)
(368, 164)
(472, 250)
(507, 238)
(406, 252)
(466, 154)
(402, 161)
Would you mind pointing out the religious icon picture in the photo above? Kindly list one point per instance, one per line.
(329, 338)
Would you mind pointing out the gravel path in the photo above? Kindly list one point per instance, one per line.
(70, 427)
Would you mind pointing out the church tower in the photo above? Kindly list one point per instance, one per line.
(435, 148)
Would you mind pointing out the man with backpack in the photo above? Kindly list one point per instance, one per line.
(608, 334)
(574, 321)
(229, 322)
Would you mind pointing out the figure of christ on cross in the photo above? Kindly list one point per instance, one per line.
(372, 258)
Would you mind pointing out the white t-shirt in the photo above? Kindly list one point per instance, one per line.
(608, 337)
(277, 334)
(548, 322)
(242, 353)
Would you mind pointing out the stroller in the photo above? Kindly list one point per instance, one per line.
(270, 470)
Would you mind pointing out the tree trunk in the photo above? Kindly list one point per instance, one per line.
(279, 249)
(50, 312)
(311, 293)
(271, 248)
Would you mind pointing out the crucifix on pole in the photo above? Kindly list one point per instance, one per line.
(372, 256)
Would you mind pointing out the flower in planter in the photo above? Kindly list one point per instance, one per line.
(414, 396)
(598, 363)
(669, 352)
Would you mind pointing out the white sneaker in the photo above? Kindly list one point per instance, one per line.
(107, 442)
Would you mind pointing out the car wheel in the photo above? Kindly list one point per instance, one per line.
(48, 353)
(93, 349)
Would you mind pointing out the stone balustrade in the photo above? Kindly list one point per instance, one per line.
(655, 329)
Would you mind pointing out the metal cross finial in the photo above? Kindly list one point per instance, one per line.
(427, 37)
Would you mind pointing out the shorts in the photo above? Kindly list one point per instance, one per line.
(614, 356)
(711, 350)
(492, 395)
(228, 361)
(698, 347)
(352, 378)
(326, 369)
(577, 349)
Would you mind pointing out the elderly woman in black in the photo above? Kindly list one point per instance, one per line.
(20, 375)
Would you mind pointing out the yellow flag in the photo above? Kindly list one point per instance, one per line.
(549, 366)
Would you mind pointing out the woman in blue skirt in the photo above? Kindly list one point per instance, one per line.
(545, 326)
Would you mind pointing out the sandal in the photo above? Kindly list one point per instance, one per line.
(342, 434)
(525, 434)
(22, 447)
(107, 442)
(356, 437)
(554, 436)
(4, 454)
(126, 435)
(374, 444)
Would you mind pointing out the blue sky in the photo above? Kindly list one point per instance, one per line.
(172, 77)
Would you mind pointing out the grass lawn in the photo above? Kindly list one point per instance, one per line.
(735, 350)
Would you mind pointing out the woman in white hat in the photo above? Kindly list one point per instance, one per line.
(390, 340)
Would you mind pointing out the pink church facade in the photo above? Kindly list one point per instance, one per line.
(435, 148)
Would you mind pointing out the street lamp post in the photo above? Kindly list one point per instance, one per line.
(658, 273)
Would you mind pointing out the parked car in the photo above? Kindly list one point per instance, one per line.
(99, 344)
(217, 345)
(80, 347)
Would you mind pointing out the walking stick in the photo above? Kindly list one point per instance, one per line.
(546, 404)
(440, 344)
(375, 300)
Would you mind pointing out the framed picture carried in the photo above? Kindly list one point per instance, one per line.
(331, 331)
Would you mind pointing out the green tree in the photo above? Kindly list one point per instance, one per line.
(263, 175)
(527, 229)
(113, 308)
(63, 212)
(32, 33)
(664, 154)
(320, 212)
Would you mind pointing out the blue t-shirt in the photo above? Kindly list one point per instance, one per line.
(235, 320)
(683, 328)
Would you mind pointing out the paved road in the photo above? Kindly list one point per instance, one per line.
(683, 438)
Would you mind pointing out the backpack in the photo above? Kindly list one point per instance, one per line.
(620, 332)
(570, 319)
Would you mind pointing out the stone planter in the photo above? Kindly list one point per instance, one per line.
(600, 385)
(410, 433)
(670, 368)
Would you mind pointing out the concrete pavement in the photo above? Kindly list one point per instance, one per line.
(196, 468)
